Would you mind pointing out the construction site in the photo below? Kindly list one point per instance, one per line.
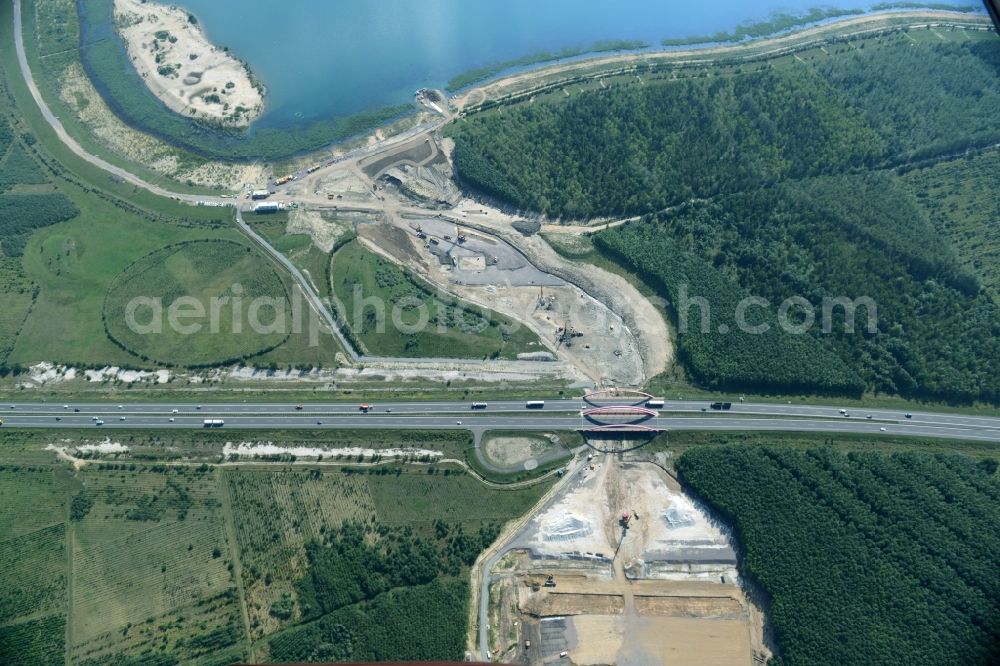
(620, 567)
(404, 204)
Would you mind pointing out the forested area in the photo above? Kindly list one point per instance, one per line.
(637, 149)
(774, 182)
(412, 623)
(864, 558)
(22, 214)
(722, 354)
(828, 237)
(963, 203)
(19, 169)
(384, 593)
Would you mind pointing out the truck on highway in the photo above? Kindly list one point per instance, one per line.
(534, 404)
(721, 405)
(479, 405)
(654, 403)
(365, 407)
(214, 423)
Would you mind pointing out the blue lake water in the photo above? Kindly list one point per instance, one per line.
(322, 58)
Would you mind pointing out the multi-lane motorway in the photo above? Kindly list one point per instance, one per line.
(508, 415)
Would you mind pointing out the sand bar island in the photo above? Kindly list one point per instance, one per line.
(183, 69)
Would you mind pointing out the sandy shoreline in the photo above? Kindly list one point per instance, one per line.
(704, 54)
(183, 69)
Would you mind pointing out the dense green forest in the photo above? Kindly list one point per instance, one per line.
(851, 236)
(776, 180)
(864, 558)
(22, 214)
(721, 355)
(637, 149)
(384, 593)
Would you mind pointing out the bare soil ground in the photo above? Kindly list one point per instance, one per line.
(601, 615)
(605, 350)
(514, 451)
(323, 229)
(556, 603)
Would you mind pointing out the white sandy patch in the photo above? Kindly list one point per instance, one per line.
(44, 373)
(182, 68)
(114, 373)
(576, 523)
(107, 446)
(253, 450)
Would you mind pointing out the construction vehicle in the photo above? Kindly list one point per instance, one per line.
(549, 581)
(420, 232)
(459, 234)
(626, 518)
(566, 335)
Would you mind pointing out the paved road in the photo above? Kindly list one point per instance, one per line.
(507, 415)
(72, 144)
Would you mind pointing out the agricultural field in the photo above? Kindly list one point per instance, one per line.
(865, 558)
(413, 319)
(32, 542)
(152, 568)
(17, 294)
(277, 513)
(226, 282)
